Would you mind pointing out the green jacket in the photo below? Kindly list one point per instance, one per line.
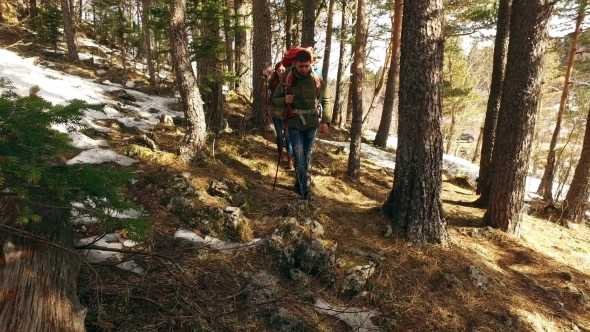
(274, 112)
(304, 89)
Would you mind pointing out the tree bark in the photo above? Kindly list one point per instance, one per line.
(38, 274)
(262, 54)
(147, 41)
(546, 186)
(33, 10)
(339, 100)
(243, 60)
(69, 33)
(493, 107)
(288, 24)
(308, 26)
(229, 34)
(518, 108)
(193, 144)
(414, 203)
(328, 44)
(358, 73)
(576, 201)
(390, 93)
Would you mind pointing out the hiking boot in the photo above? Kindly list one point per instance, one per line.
(289, 162)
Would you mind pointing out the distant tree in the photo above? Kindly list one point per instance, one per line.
(493, 106)
(340, 98)
(193, 144)
(358, 75)
(69, 31)
(147, 40)
(243, 48)
(520, 98)
(328, 44)
(414, 203)
(576, 201)
(390, 91)
(262, 53)
(546, 186)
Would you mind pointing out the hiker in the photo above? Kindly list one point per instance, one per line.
(277, 114)
(299, 95)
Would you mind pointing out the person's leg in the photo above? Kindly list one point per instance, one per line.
(300, 168)
(308, 139)
(278, 123)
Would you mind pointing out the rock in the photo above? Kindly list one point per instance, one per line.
(388, 232)
(262, 290)
(314, 258)
(565, 275)
(167, 119)
(181, 207)
(359, 252)
(356, 278)
(453, 281)
(153, 110)
(314, 226)
(145, 141)
(298, 276)
(371, 227)
(342, 150)
(283, 320)
(478, 277)
(228, 190)
(485, 232)
(355, 232)
(340, 263)
(507, 321)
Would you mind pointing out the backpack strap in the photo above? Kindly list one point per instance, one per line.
(288, 80)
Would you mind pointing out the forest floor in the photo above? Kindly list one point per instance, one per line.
(538, 282)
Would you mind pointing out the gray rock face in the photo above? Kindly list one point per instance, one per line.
(263, 289)
(483, 233)
(284, 321)
(228, 190)
(452, 280)
(314, 226)
(181, 206)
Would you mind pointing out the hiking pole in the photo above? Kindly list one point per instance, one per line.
(280, 155)
(266, 116)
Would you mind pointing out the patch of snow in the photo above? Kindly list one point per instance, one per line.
(209, 242)
(358, 319)
(132, 266)
(99, 256)
(99, 156)
(84, 142)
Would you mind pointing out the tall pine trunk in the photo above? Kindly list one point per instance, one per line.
(193, 144)
(414, 203)
(328, 46)
(390, 92)
(38, 274)
(262, 54)
(308, 24)
(339, 100)
(358, 74)
(546, 186)
(243, 58)
(576, 201)
(288, 24)
(69, 32)
(493, 107)
(516, 120)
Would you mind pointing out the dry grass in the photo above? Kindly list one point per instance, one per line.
(536, 282)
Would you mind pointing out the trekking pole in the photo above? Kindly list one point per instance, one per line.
(281, 146)
(266, 116)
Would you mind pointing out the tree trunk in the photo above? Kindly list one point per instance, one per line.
(546, 186)
(516, 120)
(340, 83)
(147, 40)
(38, 274)
(389, 100)
(576, 201)
(328, 44)
(493, 107)
(33, 10)
(477, 146)
(243, 60)
(69, 33)
(193, 144)
(262, 54)
(288, 24)
(308, 26)
(414, 203)
(229, 34)
(358, 75)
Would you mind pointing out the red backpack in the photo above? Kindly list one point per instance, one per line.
(289, 56)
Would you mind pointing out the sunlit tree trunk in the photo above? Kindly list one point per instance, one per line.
(414, 203)
(576, 201)
(390, 92)
(243, 49)
(358, 74)
(340, 100)
(328, 45)
(493, 107)
(69, 33)
(38, 274)
(229, 35)
(193, 144)
(262, 53)
(546, 186)
(518, 108)
(288, 24)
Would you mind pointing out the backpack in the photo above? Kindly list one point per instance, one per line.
(289, 56)
(288, 80)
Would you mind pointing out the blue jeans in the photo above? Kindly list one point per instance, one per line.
(279, 129)
(302, 142)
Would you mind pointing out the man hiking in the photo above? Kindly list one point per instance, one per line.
(299, 94)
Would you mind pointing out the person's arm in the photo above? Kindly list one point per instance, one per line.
(278, 97)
